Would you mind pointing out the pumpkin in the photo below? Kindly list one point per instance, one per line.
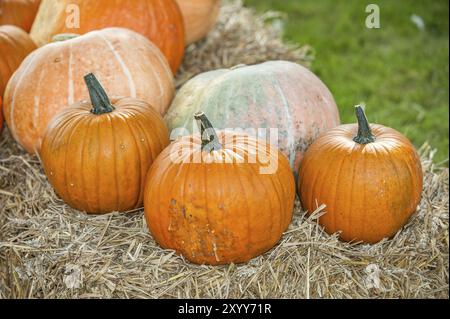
(20, 13)
(368, 176)
(1, 115)
(96, 154)
(206, 199)
(51, 78)
(15, 45)
(159, 20)
(277, 94)
(199, 17)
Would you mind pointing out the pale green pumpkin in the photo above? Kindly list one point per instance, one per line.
(276, 94)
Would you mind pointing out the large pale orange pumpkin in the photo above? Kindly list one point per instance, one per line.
(20, 13)
(368, 176)
(51, 78)
(277, 94)
(199, 17)
(207, 199)
(96, 154)
(159, 20)
(15, 45)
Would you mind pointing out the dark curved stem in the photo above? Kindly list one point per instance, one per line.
(99, 99)
(364, 135)
(210, 140)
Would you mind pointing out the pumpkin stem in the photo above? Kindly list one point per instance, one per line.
(99, 99)
(238, 66)
(64, 37)
(210, 140)
(364, 135)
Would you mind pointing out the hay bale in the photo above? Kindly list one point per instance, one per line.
(48, 250)
(240, 37)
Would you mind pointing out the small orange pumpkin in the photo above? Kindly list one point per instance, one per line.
(15, 45)
(96, 155)
(368, 176)
(158, 20)
(208, 201)
(20, 13)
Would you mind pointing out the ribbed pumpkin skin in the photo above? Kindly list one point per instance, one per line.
(98, 163)
(51, 78)
(275, 94)
(20, 13)
(15, 45)
(199, 17)
(158, 20)
(370, 190)
(217, 213)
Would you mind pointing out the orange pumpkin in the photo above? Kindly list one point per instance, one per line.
(199, 17)
(159, 20)
(96, 154)
(368, 176)
(51, 78)
(15, 45)
(207, 200)
(1, 115)
(20, 13)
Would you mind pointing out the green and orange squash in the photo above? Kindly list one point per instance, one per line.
(277, 95)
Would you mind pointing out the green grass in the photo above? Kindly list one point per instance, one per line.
(398, 71)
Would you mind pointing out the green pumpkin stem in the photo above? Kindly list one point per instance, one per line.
(64, 37)
(99, 99)
(210, 140)
(364, 135)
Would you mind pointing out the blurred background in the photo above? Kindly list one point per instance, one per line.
(399, 71)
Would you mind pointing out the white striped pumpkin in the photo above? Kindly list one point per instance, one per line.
(51, 78)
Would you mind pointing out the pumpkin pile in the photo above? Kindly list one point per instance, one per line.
(91, 91)
(158, 20)
(51, 78)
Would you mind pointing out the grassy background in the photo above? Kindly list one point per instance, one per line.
(399, 71)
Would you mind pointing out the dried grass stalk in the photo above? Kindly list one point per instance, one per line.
(48, 250)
